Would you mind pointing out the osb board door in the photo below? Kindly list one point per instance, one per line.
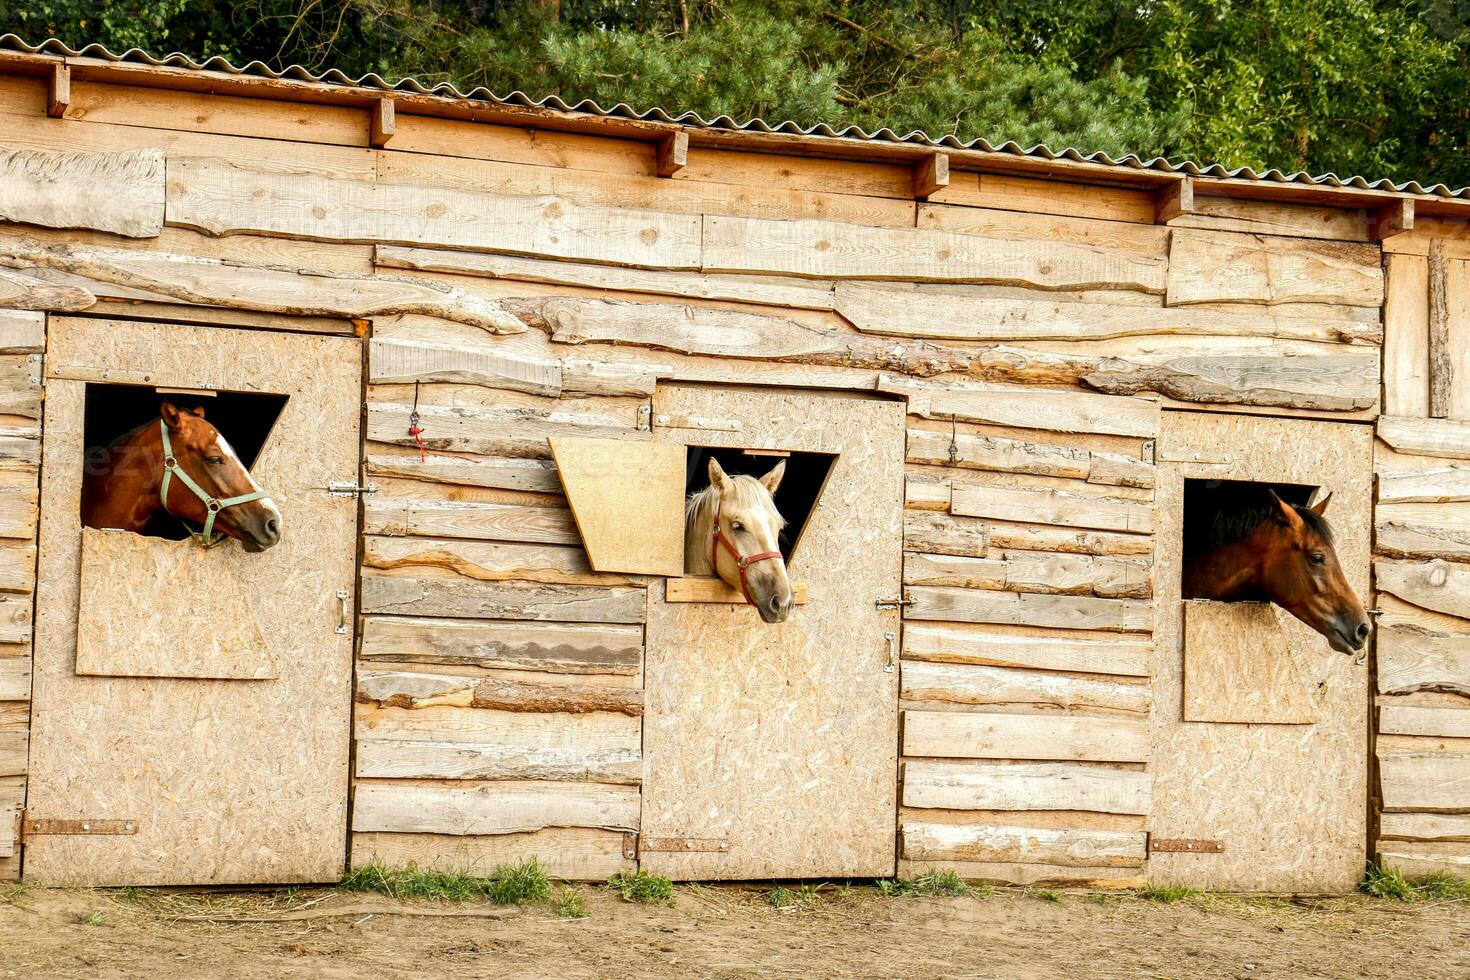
(779, 743)
(1248, 662)
(123, 631)
(228, 781)
(1288, 802)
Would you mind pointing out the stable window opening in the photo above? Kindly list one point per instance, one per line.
(796, 497)
(113, 411)
(1217, 512)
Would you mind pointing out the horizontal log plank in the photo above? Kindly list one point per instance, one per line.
(15, 619)
(1074, 848)
(13, 753)
(1445, 484)
(963, 683)
(1411, 660)
(494, 600)
(967, 735)
(1447, 438)
(1033, 408)
(1413, 719)
(414, 689)
(1217, 267)
(19, 291)
(220, 197)
(492, 809)
(525, 730)
(1021, 571)
(488, 561)
(1025, 786)
(1425, 826)
(1438, 585)
(829, 250)
(121, 193)
(1045, 506)
(534, 475)
(1323, 382)
(1125, 656)
(506, 432)
(1428, 782)
(944, 534)
(997, 454)
(22, 332)
(1401, 539)
(400, 759)
(468, 519)
(1030, 609)
(561, 648)
(392, 361)
(564, 853)
(1419, 865)
(15, 678)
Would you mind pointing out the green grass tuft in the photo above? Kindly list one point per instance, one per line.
(781, 897)
(518, 884)
(1045, 894)
(1384, 882)
(508, 885)
(1390, 883)
(95, 919)
(571, 904)
(1165, 894)
(640, 886)
(930, 884)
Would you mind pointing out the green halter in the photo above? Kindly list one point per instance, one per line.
(212, 504)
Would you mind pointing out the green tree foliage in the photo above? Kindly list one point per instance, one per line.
(1376, 87)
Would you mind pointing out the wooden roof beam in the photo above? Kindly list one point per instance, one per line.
(1174, 200)
(1391, 219)
(58, 91)
(673, 153)
(931, 174)
(383, 123)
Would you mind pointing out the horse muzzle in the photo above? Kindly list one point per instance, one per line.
(1349, 635)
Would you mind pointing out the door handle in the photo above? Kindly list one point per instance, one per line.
(342, 596)
(892, 640)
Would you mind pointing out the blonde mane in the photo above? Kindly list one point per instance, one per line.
(699, 516)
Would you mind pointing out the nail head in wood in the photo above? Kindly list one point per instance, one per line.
(931, 174)
(1174, 200)
(384, 122)
(1391, 219)
(673, 153)
(58, 91)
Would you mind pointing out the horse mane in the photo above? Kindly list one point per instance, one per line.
(1235, 525)
(699, 517)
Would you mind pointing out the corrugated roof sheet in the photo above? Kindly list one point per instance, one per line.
(622, 110)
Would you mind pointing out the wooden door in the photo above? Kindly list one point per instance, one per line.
(1260, 729)
(226, 781)
(771, 751)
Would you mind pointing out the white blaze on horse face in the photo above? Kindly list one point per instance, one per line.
(228, 452)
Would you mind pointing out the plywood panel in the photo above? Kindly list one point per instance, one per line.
(628, 499)
(124, 631)
(1239, 666)
(202, 818)
(1288, 802)
(801, 716)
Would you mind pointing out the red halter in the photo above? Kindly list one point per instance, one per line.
(741, 561)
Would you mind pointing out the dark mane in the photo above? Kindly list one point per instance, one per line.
(1234, 525)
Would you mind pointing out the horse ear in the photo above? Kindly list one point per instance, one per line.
(772, 480)
(198, 410)
(171, 415)
(1284, 513)
(1320, 505)
(717, 477)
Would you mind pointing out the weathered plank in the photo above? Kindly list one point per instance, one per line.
(564, 853)
(211, 282)
(488, 561)
(1324, 382)
(1444, 484)
(1406, 336)
(1438, 585)
(803, 294)
(535, 475)
(406, 361)
(1072, 848)
(13, 753)
(494, 600)
(1411, 660)
(1424, 826)
(1399, 539)
(1448, 438)
(1020, 571)
(962, 683)
(22, 332)
(399, 759)
(828, 250)
(944, 534)
(560, 648)
(17, 567)
(1028, 408)
(1416, 864)
(1441, 367)
(1427, 782)
(997, 454)
(1127, 656)
(1074, 226)
(23, 292)
(1025, 786)
(976, 735)
(526, 730)
(1045, 506)
(15, 678)
(907, 312)
(1413, 719)
(1041, 537)
(492, 809)
(457, 519)
(416, 689)
(728, 333)
(220, 197)
(1217, 213)
(15, 619)
(1217, 267)
(121, 192)
(1030, 609)
(513, 432)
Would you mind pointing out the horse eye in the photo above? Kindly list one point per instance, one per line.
(737, 526)
(1317, 558)
(216, 460)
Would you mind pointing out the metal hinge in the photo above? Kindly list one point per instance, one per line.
(350, 488)
(895, 602)
(688, 845)
(1184, 845)
(38, 827)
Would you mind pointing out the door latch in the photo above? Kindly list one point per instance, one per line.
(897, 602)
(350, 488)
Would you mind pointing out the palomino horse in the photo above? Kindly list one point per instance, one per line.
(1282, 553)
(732, 529)
(182, 465)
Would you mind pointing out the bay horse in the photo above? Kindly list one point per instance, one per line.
(1279, 552)
(732, 529)
(181, 465)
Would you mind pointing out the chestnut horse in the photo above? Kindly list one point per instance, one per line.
(182, 465)
(732, 529)
(1282, 553)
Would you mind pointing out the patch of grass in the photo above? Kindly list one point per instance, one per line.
(509, 884)
(1383, 882)
(1045, 894)
(518, 884)
(1165, 894)
(781, 897)
(570, 904)
(95, 919)
(1390, 883)
(1442, 886)
(930, 884)
(130, 895)
(640, 886)
(10, 893)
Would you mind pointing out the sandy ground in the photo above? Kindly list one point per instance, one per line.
(724, 932)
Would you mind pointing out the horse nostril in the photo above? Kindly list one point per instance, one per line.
(271, 528)
(1362, 631)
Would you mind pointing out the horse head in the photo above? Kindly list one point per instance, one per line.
(733, 530)
(202, 452)
(1301, 574)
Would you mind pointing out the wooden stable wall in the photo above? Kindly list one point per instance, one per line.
(520, 284)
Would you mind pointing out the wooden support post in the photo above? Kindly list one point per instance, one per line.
(1174, 200)
(931, 174)
(1441, 365)
(673, 153)
(1391, 219)
(383, 123)
(58, 91)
